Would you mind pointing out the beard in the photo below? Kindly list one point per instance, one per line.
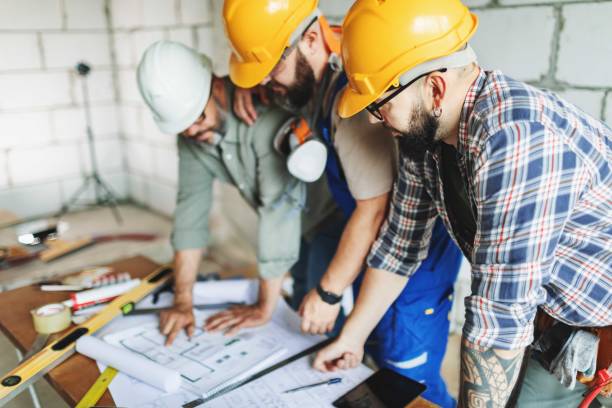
(297, 95)
(420, 136)
(214, 132)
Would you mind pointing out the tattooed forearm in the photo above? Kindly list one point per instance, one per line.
(488, 376)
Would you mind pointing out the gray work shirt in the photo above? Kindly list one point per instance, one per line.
(246, 158)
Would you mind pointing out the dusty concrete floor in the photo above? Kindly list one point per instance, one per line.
(136, 219)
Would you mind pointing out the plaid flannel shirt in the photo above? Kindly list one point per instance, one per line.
(538, 177)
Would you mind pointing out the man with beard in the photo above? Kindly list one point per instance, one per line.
(294, 52)
(185, 98)
(521, 178)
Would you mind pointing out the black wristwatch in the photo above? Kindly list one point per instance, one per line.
(328, 297)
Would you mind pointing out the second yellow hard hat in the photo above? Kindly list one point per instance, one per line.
(259, 31)
(382, 39)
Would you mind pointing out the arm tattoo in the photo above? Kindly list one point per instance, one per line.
(487, 379)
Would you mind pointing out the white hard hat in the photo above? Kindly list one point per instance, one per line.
(174, 81)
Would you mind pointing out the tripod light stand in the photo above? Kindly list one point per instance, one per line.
(103, 193)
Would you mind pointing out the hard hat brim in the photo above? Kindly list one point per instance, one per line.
(178, 125)
(352, 102)
(249, 74)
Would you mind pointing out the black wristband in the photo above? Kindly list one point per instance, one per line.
(328, 297)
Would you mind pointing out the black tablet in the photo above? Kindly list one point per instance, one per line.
(383, 389)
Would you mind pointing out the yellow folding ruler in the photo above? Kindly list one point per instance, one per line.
(96, 391)
(59, 350)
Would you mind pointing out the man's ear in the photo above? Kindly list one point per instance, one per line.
(436, 86)
(217, 82)
(310, 42)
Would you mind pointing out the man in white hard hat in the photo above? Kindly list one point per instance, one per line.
(185, 98)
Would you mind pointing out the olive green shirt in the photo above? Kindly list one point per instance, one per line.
(246, 158)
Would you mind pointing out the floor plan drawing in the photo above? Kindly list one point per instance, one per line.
(205, 360)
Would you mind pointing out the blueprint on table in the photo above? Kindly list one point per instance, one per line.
(207, 360)
(283, 330)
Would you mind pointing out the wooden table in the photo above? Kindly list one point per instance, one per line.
(72, 378)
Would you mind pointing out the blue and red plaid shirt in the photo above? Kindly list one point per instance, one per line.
(538, 177)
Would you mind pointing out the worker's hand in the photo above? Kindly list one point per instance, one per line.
(172, 321)
(244, 107)
(238, 317)
(341, 354)
(318, 317)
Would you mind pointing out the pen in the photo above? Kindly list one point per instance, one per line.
(335, 380)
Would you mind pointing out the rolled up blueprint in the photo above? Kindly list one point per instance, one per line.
(130, 363)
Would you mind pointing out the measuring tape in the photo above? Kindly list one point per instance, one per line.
(96, 391)
(26, 373)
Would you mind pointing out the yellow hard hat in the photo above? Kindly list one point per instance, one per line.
(259, 31)
(383, 39)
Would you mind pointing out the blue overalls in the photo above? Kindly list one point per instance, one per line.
(411, 337)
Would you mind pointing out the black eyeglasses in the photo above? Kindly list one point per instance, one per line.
(374, 107)
(290, 49)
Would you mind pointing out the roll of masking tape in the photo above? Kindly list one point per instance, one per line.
(51, 318)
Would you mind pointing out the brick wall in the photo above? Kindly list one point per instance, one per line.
(43, 155)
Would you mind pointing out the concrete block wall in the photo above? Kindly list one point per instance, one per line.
(43, 155)
(43, 151)
(558, 44)
(151, 157)
(561, 45)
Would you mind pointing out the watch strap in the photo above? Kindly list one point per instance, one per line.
(328, 297)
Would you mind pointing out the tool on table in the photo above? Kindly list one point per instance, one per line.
(27, 372)
(335, 380)
(85, 282)
(12, 253)
(280, 364)
(38, 231)
(111, 280)
(210, 306)
(47, 319)
(104, 294)
(56, 248)
(88, 275)
(93, 395)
